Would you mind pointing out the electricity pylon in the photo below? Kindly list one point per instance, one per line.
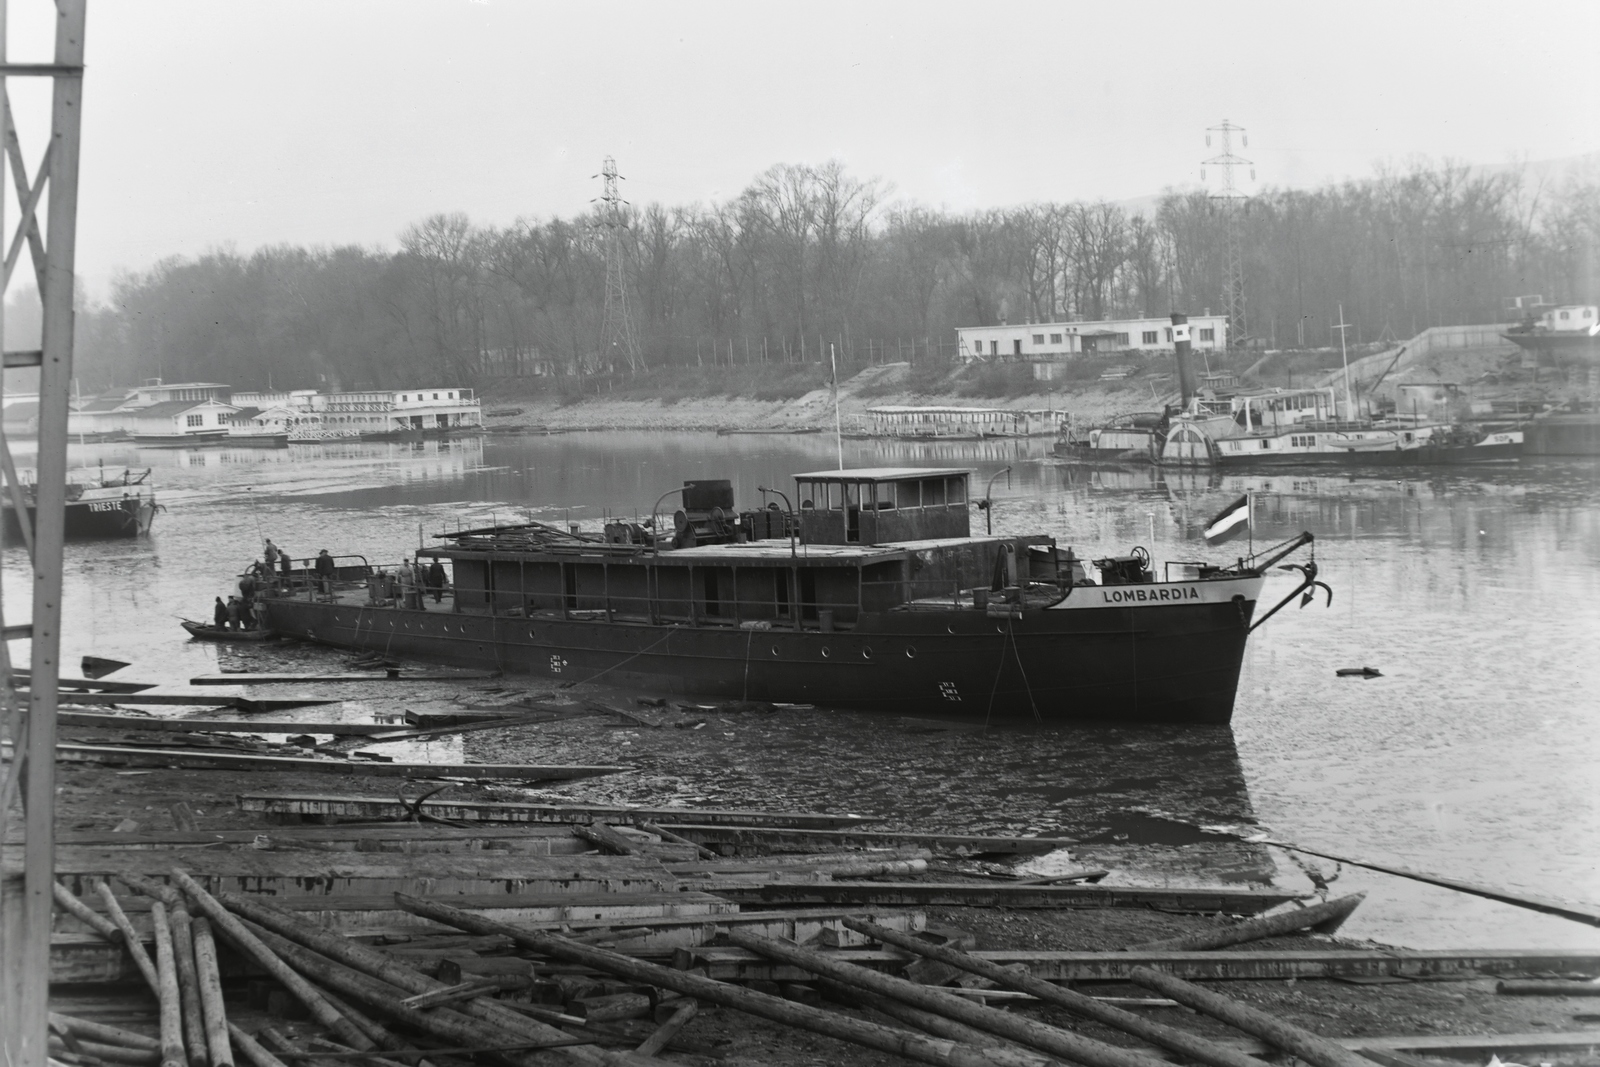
(618, 341)
(1232, 199)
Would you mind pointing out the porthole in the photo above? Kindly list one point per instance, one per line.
(774, 650)
(826, 653)
(532, 634)
(911, 652)
(866, 653)
(949, 629)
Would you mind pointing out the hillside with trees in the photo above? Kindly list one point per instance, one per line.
(810, 254)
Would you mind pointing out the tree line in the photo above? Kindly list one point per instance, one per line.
(808, 255)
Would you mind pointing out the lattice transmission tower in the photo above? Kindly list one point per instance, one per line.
(1232, 198)
(618, 341)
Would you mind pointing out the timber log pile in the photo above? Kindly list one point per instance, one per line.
(444, 931)
(598, 939)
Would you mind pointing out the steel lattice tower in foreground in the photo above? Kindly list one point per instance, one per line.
(26, 903)
(618, 342)
(1232, 199)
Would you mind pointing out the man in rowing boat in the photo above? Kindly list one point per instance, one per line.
(219, 615)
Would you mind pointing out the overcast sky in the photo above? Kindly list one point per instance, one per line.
(340, 121)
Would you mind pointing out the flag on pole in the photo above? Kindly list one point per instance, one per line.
(1229, 521)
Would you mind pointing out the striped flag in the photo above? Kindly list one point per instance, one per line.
(1229, 521)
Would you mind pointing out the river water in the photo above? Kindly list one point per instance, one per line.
(1476, 755)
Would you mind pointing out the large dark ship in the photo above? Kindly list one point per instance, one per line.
(874, 594)
(98, 506)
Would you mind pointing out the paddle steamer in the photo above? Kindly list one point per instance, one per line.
(873, 594)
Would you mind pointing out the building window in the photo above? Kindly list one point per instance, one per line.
(1169, 334)
(1149, 337)
(1038, 338)
(436, 396)
(1122, 339)
(1565, 316)
(1055, 338)
(196, 420)
(1208, 333)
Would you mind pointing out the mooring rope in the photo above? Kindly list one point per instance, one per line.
(614, 666)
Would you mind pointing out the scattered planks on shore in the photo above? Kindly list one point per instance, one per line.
(523, 931)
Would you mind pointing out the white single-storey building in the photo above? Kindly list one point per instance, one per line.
(1050, 341)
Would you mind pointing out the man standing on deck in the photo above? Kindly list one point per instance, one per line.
(325, 572)
(436, 579)
(408, 584)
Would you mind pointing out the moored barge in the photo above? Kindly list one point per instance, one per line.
(873, 594)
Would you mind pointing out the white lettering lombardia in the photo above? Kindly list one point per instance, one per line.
(1143, 596)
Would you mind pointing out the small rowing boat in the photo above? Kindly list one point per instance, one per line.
(202, 632)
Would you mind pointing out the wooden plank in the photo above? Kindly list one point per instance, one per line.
(152, 724)
(354, 807)
(777, 839)
(102, 685)
(323, 873)
(735, 964)
(204, 760)
(970, 894)
(245, 678)
(195, 700)
(547, 839)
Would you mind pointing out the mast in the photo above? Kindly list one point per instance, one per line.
(1342, 326)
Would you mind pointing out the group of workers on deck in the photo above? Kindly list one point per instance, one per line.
(407, 587)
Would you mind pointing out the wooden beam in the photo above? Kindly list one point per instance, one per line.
(356, 807)
(812, 840)
(348, 676)
(245, 704)
(737, 965)
(970, 894)
(549, 839)
(202, 760)
(153, 724)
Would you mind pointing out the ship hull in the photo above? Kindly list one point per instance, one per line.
(1469, 456)
(87, 520)
(173, 440)
(1117, 661)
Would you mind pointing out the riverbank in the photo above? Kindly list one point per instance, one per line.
(811, 409)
